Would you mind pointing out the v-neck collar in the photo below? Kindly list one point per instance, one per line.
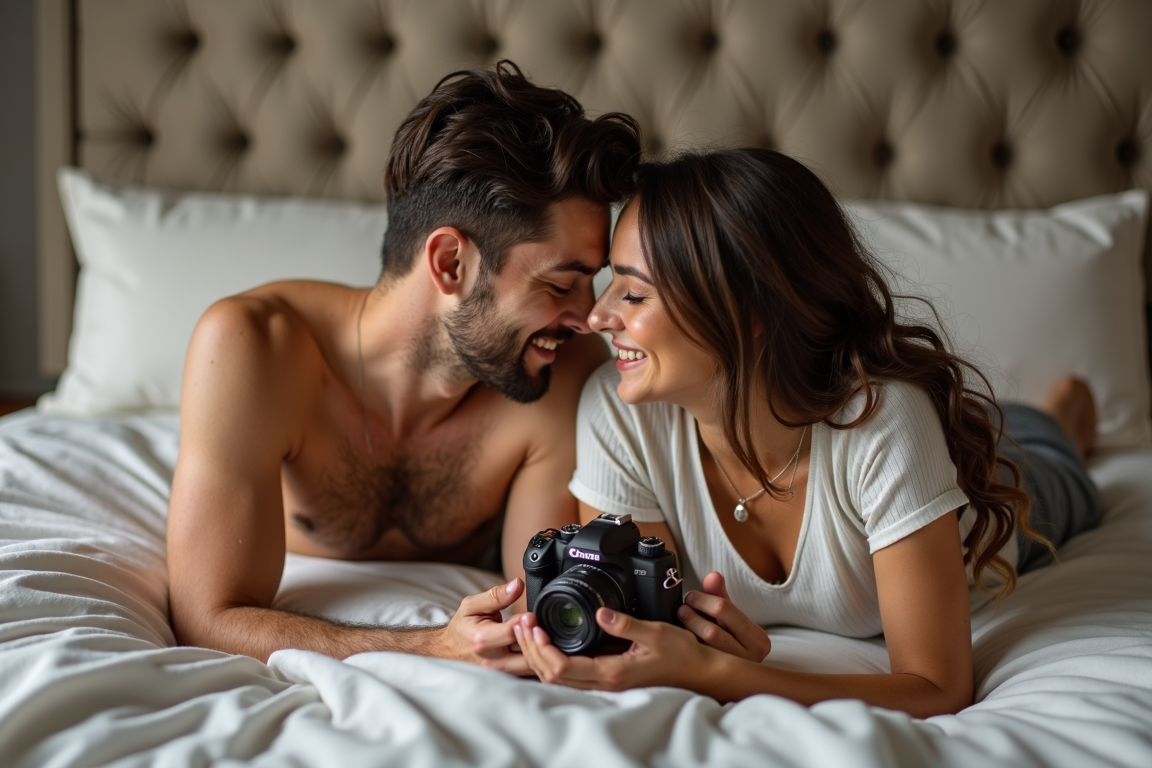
(714, 528)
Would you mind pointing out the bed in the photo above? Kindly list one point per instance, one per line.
(994, 154)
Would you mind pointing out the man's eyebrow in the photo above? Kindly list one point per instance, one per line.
(631, 272)
(573, 266)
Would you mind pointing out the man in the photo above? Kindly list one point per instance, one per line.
(410, 420)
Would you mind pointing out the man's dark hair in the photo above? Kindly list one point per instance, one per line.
(488, 152)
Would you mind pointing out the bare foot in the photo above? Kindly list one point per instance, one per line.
(1070, 402)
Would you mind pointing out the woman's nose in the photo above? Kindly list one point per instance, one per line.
(601, 319)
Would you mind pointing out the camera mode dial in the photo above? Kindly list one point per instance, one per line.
(569, 531)
(651, 546)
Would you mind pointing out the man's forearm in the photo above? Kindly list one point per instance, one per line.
(259, 632)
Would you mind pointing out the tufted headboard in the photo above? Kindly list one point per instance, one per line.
(973, 103)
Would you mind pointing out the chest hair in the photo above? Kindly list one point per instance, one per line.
(427, 497)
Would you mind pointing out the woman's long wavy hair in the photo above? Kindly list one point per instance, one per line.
(758, 264)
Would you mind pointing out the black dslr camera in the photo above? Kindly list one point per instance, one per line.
(571, 572)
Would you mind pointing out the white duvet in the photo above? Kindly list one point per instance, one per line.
(89, 674)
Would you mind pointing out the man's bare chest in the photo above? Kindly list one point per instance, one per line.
(440, 497)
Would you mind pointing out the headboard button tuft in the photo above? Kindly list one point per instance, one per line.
(384, 44)
(709, 42)
(945, 44)
(594, 42)
(187, 41)
(490, 45)
(144, 137)
(237, 142)
(1068, 40)
(826, 41)
(1127, 153)
(285, 45)
(883, 154)
(1001, 155)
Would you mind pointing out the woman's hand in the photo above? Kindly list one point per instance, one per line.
(712, 617)
(661, 654)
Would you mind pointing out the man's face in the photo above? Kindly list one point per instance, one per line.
(507, 330)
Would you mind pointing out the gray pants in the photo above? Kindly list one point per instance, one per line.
(1065, 501)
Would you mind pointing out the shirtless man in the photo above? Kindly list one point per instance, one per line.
(409, 420)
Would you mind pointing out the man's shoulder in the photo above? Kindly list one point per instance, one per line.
(258, 338)
(284, 317)
(249, 324)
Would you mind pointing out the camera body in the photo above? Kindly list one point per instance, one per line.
(571, 572)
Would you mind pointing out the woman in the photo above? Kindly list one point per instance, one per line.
(770, 415)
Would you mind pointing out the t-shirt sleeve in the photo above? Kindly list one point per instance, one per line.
(611, 471)
(900, 473)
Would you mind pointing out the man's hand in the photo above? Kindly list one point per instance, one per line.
(478, 634)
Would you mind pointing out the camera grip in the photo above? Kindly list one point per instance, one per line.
(533, 584)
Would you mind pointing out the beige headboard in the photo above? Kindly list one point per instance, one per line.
(976, 103)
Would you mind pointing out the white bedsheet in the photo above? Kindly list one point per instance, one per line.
(89, 674)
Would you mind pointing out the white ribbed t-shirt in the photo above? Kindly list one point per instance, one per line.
(868, 487)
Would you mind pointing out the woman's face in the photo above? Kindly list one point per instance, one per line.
(656, 361)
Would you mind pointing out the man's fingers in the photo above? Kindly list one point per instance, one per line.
(488, 636)
(512, 663)
(494, 600)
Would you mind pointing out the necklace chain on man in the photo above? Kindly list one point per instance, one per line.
(360, 369)
(741, 510)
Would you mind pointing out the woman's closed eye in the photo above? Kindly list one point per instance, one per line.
(632, 298)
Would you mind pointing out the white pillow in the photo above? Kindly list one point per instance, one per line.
(151, 262)
(378, 592)
(1031, 295)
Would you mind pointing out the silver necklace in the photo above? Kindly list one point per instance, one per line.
(741, 510)
(360, 369)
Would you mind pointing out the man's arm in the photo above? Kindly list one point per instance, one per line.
(538, 497)
(249, 368)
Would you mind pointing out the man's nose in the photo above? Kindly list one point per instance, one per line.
(576, 311)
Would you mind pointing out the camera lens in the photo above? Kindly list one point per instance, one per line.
(569, 616)
(566, 608)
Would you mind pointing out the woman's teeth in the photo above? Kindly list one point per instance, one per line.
(545, 343)
(630, 354)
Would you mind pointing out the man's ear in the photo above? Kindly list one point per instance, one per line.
(450, 256)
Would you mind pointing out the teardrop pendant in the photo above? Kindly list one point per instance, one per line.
(741, 512)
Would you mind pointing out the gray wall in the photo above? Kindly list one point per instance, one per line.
(19, 373)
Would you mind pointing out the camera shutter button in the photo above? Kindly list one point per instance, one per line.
(650, 546)
(569, 531)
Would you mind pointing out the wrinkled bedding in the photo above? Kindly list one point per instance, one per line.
(90, 674)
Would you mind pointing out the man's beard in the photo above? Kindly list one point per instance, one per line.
(489, 348)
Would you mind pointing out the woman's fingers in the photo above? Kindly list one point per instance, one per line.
(549, 663)
(537, 650)
(715, 604)
(709, 632)
(714, 585)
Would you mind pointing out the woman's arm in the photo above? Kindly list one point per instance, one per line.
(923, 593)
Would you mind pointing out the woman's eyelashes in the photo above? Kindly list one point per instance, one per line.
(632, 298)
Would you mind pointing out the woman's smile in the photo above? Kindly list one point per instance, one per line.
(628, 358)
(655, 359)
